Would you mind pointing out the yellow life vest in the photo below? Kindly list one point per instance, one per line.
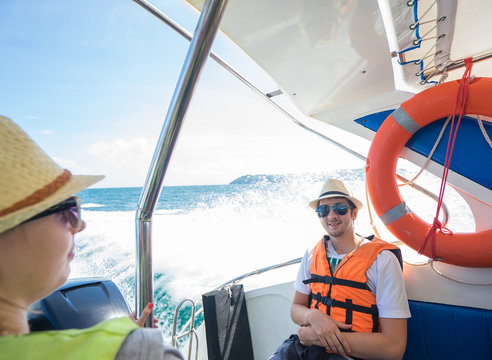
(100, 342)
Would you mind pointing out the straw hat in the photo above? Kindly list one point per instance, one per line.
(334, 188)
(30, 181)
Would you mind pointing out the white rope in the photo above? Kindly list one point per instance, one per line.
(369, 208)
(424, 37)
(423, 15)
(484, 133)
(427, 161)
(433, 267)
(430, 65)
(444, 74)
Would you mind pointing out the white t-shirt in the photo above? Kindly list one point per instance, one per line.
(384, 278)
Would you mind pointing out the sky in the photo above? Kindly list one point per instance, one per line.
(91, 82)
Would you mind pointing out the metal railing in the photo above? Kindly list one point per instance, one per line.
(230, 283)
(175, 337)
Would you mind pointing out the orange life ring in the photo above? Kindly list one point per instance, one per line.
(463, 249)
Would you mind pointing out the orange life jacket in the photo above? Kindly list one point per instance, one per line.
(345, 295)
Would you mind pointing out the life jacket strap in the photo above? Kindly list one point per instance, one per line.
(346, 305)
(336, 281)
(349, 307)
(375, 318)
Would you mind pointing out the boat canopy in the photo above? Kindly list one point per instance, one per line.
(339, 60)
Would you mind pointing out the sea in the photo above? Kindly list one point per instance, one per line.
(205, 235)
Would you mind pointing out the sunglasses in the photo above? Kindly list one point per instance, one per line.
(70, 208)
(338, 208)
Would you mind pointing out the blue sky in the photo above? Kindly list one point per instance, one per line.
(91, 82)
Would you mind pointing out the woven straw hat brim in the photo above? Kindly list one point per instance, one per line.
(333, 188)
(74, 185)
(314, 204)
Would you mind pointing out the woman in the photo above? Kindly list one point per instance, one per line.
(39, 217)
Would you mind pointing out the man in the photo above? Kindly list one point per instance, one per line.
(350, 296)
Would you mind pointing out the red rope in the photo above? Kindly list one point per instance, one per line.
(461, 98)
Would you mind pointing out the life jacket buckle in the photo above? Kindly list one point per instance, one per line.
(327, 280)
(327, 301)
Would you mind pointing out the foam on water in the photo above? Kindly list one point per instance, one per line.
(91, 205)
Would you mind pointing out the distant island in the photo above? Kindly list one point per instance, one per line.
(253, 179)
(277, 178)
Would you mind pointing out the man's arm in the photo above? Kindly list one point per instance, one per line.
(317, 328)
(325, 330)
(389, 344)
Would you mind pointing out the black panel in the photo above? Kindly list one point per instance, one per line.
(227, 325)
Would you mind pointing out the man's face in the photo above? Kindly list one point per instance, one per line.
(334, 224)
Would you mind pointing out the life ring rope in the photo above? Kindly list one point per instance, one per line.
(461, 99)
(484, 133)
(431, 154)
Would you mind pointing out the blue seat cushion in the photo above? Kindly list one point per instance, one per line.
(438, 331)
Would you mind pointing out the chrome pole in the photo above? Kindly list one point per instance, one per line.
(164, 18)
(196, 57)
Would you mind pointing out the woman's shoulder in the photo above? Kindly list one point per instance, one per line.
(146, 344)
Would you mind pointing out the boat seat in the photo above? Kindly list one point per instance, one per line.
(78, 304)
(438, 331)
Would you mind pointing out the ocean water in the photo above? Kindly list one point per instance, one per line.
(204, 236)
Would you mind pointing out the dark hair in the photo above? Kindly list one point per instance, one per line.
(351, 204)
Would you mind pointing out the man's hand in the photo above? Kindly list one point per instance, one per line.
(320, 329)
(328, 331)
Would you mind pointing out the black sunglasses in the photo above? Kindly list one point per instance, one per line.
(70, 209)
(339, 209)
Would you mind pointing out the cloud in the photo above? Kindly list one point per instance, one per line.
(73, 166)
(124, 161)
(121, 150)
(47, 132)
